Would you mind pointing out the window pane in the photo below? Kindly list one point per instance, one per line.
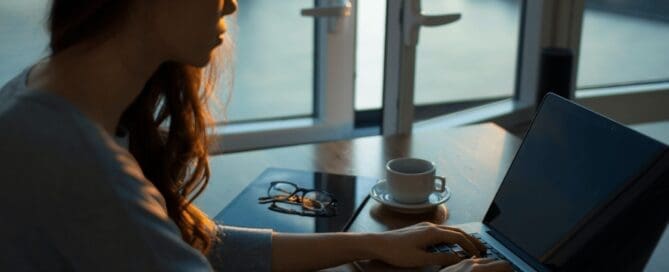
(274, 61)
(471, 59)
(274, 57)
(22, 34)
(624, 42)
(370, 43)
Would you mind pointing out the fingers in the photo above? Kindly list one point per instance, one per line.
(437, 236)
(442, 234)
(443, 259)
(462, 240)
(474, 241)
(493, 266)
(482, 260)
(479, 265)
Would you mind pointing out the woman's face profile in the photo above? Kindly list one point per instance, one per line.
(189, 30)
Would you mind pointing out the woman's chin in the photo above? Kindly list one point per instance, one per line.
(201, 64)
(202, 61)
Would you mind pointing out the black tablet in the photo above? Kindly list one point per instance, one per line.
(350, 192)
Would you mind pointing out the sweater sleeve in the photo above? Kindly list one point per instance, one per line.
(242, 249)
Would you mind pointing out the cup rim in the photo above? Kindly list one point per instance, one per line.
(409, 174)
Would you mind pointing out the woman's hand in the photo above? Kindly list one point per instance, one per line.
(408, 247)
(479, 265)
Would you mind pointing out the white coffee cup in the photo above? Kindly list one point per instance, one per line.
(412, 180)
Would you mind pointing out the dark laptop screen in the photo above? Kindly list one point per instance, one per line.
(571, 161)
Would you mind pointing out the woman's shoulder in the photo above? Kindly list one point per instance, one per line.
(37, 119)
(11, 87)
(46, 142)
(68, 179)
(38, 124)
(33, 113)
(46, 137)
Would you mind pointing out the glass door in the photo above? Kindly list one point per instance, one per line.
(294, 74)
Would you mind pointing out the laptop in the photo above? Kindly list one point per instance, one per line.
(579, 186)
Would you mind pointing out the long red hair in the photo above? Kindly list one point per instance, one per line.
(173, 157)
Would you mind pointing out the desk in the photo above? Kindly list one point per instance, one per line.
(474, 159)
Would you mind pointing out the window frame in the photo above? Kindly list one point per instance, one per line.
(398, 107)
(334, 62)
(559, 23)
(543, 23)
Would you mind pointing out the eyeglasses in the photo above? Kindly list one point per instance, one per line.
(285, 195)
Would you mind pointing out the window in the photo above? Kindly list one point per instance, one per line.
(455, 65)
(294, 68)
(467, 63)
(620, 51)
(370, 42)
(294, 82)
(623, 43)
(23, 35)
(274, 65)
(472, 59)
(307, 70)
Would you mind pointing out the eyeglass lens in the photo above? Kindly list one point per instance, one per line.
(282, 190)
(320, 200)
(311, 199)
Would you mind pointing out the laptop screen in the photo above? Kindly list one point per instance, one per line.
(570, 162)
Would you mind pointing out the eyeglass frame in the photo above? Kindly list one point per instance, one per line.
(329, 209)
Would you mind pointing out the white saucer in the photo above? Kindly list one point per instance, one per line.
(380, 193)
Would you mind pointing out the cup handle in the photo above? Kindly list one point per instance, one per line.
(442, 187)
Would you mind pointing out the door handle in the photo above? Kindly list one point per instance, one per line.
(413, 19)
(334, 10)
(328, 11)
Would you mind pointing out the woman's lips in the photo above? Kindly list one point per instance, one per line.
(219, 39)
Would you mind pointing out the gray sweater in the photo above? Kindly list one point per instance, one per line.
(72, 198)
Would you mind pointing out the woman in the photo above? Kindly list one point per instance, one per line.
(80, 200)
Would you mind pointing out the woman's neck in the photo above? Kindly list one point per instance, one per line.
(100, 80)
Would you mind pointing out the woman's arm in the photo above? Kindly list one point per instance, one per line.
(308, 252)
(405, 247)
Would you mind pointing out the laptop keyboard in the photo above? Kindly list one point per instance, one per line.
(456, 249)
